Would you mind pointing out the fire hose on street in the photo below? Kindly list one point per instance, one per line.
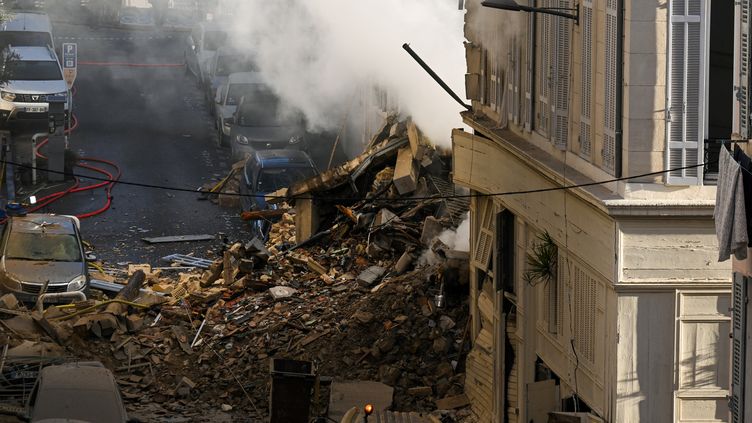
(84, 163)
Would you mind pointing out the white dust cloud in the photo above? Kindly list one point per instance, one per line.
(318, 55)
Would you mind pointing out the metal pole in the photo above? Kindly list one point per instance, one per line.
(34, 156)
(435, 76)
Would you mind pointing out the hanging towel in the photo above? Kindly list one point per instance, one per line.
(746, 164)
(730, 213)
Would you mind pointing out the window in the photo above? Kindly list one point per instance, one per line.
(608, 154)
(43, 246)
(586, 102)
(28, 70)
(544, 79)
(552, 74)
(685, 89)
(505, 257)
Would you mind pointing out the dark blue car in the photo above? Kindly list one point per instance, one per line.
(267, 171)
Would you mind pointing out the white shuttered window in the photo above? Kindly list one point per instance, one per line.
(686, 88)
(563, 28)
(609, 116)
(543, 73)
(586, 105)
(743, 63)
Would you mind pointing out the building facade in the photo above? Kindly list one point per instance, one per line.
(606, 300)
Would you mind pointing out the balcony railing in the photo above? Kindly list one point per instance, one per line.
(712, 149)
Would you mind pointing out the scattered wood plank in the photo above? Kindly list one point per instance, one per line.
(178, 238)
(262, 214)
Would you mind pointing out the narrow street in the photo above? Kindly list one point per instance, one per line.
(153, 123)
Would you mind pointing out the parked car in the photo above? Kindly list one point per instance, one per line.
(80, 392)
(226, 62)
(201, 45)
(266, 171)
(34, 74)
(40, 248)
(262, 122)
(27, 29)
(136, 17)
(237, 86)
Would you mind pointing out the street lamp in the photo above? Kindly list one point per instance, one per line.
(564, 12)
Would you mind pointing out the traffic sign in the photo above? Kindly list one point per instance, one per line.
(70, 63)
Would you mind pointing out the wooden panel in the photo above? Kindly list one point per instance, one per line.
(683, 251)
(645, 387)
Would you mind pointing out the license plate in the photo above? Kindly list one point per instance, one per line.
(36, 109)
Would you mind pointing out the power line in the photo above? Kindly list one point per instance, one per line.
(335, 199)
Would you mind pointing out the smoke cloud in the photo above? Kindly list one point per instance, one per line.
(321, 55)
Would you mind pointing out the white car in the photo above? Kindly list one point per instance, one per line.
(26, 29)
(33, 74)
(228, 96)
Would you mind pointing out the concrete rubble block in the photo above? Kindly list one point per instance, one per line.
(404, 263)
(280, 292)
(432, 227)
(405, 172)
(9, 302)
(256, 248)
(134, 323)
(370, 276)
(384, 217)
(418, 144)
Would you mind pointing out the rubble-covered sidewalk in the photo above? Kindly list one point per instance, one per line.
(358, 277)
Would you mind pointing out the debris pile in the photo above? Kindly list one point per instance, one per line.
(350, 295)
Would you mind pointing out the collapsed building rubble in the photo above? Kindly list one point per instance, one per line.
(340, 282)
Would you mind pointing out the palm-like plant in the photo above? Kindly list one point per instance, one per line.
(542, 260)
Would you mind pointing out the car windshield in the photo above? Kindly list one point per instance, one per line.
(25, 39)
(213, 40)
(33, 70)
(273, 179)
(266, 113)
(238, 91)
(43, 246)
(234, 64)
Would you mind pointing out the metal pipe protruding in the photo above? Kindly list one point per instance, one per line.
(75, 294)
(435, 76)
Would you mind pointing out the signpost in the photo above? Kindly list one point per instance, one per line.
(70, 63)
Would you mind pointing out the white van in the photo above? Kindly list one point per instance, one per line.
(26, 29)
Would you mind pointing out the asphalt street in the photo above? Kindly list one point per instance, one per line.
(152, 122)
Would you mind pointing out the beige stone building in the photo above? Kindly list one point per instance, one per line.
(626, 316)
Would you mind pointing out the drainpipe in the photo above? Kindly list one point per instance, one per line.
(619, 130)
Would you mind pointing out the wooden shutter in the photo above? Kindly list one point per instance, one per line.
(586, 90)
(543, 73)
(553, 293)
(686, 88)
(530, 55)
(585, 294)
(484, 244)
(739, 348)
(608, 153)
(561, 60)
(742, 94)
(517, 58)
